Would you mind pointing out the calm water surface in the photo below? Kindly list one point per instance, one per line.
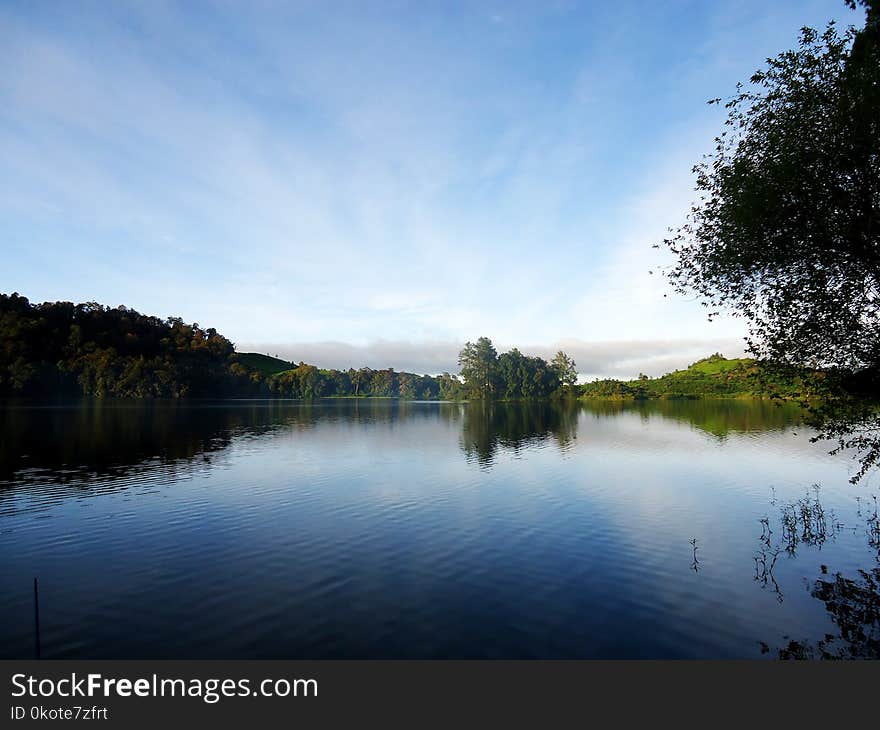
(382, 529)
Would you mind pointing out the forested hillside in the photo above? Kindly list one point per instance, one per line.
(65, 349)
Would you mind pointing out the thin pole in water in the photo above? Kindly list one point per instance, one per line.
(36, 620)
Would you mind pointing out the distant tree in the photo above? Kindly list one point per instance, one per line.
(522, 376)
(450, 387)
(541, 380)
(428, 388)
(511, 372)
(407, 385)
(565, 368)
(342, 382)
(384, 383)
(362, 380)
(479, 366)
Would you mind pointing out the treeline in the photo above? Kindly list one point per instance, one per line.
(484, 375)
(512, 375)
(64, 349)
(61, 348)
(308, 381)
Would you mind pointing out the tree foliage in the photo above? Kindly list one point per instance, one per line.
(786, 228)
(479, 367)
(61, 348)
(785, 231)
(565, 368)
(512, 375)
(66, 349)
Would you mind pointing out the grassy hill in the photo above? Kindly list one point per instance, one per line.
(712, 377)
(264, 364)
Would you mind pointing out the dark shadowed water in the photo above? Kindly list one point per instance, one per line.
(382, 529)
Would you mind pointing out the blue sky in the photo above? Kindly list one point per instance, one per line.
(375, 183)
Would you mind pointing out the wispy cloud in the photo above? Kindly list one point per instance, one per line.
(307, 173)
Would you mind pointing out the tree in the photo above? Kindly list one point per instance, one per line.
(450, 387)
(786, 228)
(362, 379)
(785, 232)
(565, 368)
(511, 371)
(479, 366)
(383, 383)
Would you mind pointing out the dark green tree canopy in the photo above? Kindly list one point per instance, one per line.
(64, 349)
(511, 375)
(785, 229)
(565, 368)
(479, 367)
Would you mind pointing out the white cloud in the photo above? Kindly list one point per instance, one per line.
(287, 173)
(617, 359)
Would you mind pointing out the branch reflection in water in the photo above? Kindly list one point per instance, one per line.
(852, 603)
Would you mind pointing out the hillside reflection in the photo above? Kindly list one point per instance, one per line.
(91, 438)
(87, 439)
(718, 417)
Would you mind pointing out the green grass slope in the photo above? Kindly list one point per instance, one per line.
(711, 377)
(264, 364)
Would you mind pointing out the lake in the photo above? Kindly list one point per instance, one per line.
(385, 529)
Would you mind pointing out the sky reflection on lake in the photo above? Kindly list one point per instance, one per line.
(386, 529)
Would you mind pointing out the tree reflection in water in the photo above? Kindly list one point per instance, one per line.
(488, 426)
(852, 603)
